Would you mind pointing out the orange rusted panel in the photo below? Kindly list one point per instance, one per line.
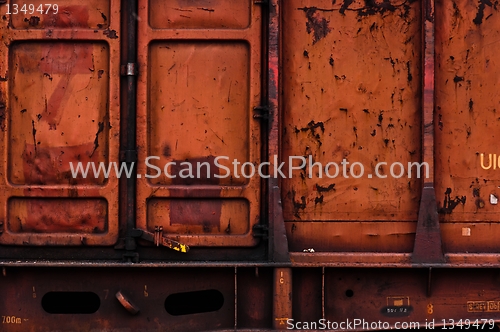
(466, 125)
(351, 90)
(59, 85)
(466, 120)
(199, 80)
(68, 14)
(206, 14)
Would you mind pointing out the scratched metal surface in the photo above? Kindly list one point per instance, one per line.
(467, 124)
(61, 106)
(351, 89)
(71, 13)
(199, 81)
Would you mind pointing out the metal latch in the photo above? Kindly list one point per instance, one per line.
(159, 240)
(260, 230)
(262, 112)
(130, 69)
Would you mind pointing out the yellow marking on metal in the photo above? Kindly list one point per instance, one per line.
(483, 306)
(398, 301)
(282, 320)
(184, 248)
(11, 320)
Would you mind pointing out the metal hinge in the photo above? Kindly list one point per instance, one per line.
(130, 69)
(159, 240)
(262, 112)
(260, 230)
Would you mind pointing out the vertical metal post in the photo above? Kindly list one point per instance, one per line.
(128, 150)
(428, 247)
(282, 298)
(278, 243)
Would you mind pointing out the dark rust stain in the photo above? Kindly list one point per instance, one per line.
(410, 77)
(440, 122)
(33, 132)
(100, 129)
(202, 178)
(206, 9)
(480, 10)
(450, 204)
(2, 117)
(167, 151)
(315, 24)
(110, 34)
(480, 203)
(206, 213)
(345, 6)
(312, 126)
(471, 105)
(457, 79)
(297, 205)
(99, 73)
(64, 215)
(33, 21)
(318, 200)
(476, 192)
(51, 165)
(322, 189)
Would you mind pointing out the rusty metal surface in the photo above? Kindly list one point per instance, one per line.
(351, 236)
(351, 89)
(282, 297)
(402, 296)
(71, 14)
(198, 85)
(466, 122)
(239, 299)
(60, 90)
(150, 292)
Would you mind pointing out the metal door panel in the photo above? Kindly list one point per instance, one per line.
(351, 89)
(199, 80)
(466, 120)
(60, 90)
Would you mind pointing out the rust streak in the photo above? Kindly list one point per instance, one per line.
(33, 131)
(100, 129)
